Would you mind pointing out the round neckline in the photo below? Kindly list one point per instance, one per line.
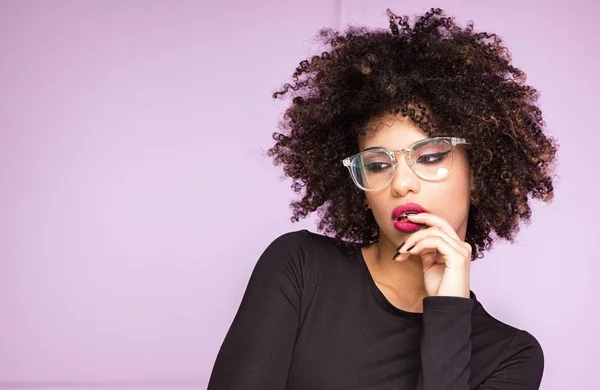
(417, 316)
(382, 298)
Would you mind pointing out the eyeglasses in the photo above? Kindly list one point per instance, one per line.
(429, 158)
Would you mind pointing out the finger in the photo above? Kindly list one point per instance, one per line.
(429, 232)
(453, 257)
(434, 220)
(412, 241)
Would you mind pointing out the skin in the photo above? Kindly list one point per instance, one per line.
(439, 264)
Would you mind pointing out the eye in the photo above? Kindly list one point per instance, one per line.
(377, 166)
(433, 158)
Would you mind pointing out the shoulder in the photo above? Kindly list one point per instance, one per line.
(288, 249)
(515, 351)
(304, 242)
(290, 242)
(489, 327)
(303, 249)
(293, 261)
(291, 249)
(524, 345)
(522, 361)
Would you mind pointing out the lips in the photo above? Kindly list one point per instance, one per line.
(404, 225)
(406, 207)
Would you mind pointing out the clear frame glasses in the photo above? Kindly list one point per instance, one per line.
(430, 159)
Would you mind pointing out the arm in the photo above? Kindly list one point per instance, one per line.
(446, 343)
(446, 338)
(257, 350)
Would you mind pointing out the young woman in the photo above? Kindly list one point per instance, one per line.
(415, 146)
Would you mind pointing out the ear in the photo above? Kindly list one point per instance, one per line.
(474, 201)
(472, 179)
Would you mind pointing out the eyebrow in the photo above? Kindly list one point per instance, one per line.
(374, 147)
(383, 147)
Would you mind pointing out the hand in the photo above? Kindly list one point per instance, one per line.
(446, 258)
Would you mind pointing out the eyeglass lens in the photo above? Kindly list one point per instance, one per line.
(373, 169)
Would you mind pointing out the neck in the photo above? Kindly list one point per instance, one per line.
(406, 277)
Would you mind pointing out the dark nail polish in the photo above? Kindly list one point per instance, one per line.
(411, 247)
(400, 247)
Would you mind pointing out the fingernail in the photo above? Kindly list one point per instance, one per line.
(400, 247)
(411, 247)
(401, 256)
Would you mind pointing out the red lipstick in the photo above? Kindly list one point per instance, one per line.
(402, 224)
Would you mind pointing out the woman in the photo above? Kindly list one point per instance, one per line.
(415, 146)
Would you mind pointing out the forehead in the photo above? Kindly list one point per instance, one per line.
(392, 132)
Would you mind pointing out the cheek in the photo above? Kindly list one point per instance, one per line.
(459, 189)
(455, 203)
(375, 204)
(459, 183)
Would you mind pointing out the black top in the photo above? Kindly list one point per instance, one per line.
(313, 318)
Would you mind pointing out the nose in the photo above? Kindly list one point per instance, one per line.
(404, 179)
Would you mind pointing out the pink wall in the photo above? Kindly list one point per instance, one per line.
(136, 199)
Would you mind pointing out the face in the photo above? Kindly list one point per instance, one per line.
(448, 198)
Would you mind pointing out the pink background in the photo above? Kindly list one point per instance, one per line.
(136, 197)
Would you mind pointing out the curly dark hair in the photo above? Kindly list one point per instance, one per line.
(450, 81)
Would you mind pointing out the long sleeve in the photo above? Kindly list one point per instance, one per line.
(257, 350)
(446, 343)
(311, 317)
(446, 351)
